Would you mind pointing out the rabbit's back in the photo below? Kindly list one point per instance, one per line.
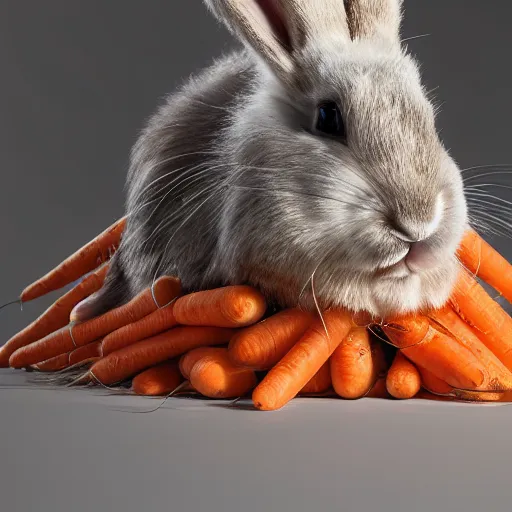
(175, 185)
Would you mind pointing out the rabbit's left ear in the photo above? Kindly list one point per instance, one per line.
(375, 19)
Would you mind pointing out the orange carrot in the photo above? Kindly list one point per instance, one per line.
(492, 324)
(78, 264)
(158, 380)
(87, 351)
(437, 352)
(262, 345)
(506, 396)
(320, 382)
(128, 361)
(285, 380)
(482, 260)
(231, 306)
(478, 396)
(352, 366)
(80, 354)
(403, 380)
(434, 384)
(188, 360)
(215, 376)
(55, 317)
(54, 364)
(155, 323)
(497, 376)
(76, 335)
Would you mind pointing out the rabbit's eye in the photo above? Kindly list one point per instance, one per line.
(329, 120)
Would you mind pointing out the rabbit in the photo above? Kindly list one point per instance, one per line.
(306, 163)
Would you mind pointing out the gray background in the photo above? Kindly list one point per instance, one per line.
(77, 80)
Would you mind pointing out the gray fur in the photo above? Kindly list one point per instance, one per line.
(229, 183)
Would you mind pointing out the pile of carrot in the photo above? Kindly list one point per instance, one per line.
(225, 344)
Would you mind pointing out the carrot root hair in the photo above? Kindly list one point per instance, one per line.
(66, 376)
(183, 386)
(17, 301)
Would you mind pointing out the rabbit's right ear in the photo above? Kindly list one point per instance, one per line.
(375, 19)
(278, 29)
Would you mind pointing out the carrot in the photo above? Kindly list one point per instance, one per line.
(78, 264)
(403, 379)
(489, 320)
(53, 364)
(158, 380)
(231, 306)
(262, 345)
(437, 352)
(76, 335)
(87, 351)
(285, 380)
(434, 384)
(188, 360)
(55, 317)
(478, 396)
(482, 260)
(155, 323)
(90, 351)
(215, 376)
(320, 382)
(128, 361)
(497, 376)
(352, 366)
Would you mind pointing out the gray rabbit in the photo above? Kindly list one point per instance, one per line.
(306, 164)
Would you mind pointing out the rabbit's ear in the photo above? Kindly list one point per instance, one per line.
(278, 29)
(375, 19)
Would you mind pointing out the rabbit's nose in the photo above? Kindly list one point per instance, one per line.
(413, 230)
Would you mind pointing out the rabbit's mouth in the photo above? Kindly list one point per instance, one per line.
(411, 291)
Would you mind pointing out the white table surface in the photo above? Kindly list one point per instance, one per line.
(84, 450)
